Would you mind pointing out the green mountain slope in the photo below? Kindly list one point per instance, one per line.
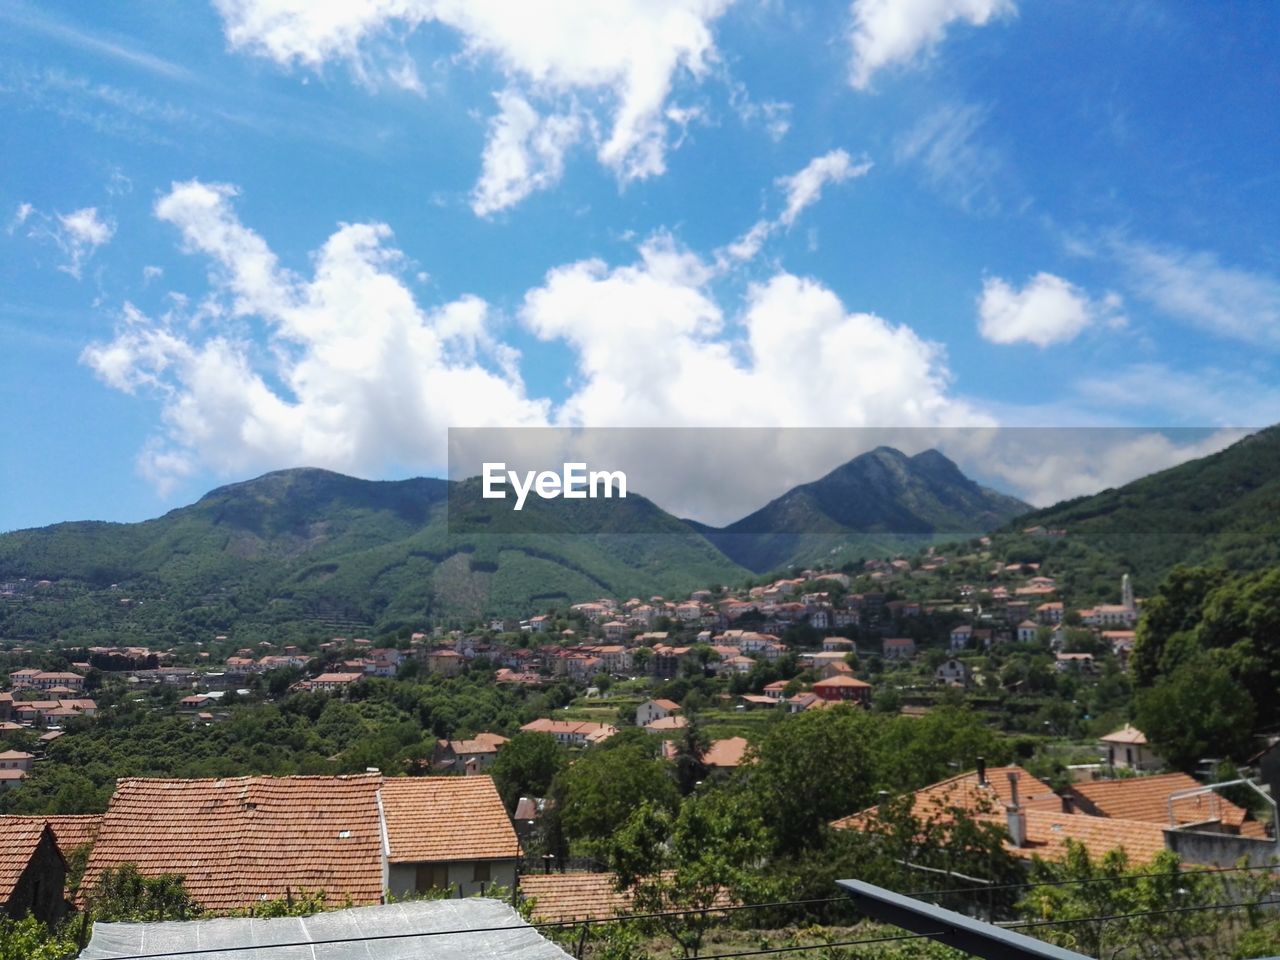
(316, 547)
(1220, 510)
(877, 503)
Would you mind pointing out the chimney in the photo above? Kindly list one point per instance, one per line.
(1068, 803)
(982, 771)
(1017, 818)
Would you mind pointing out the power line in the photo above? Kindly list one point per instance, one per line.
(1116, 879)
(1106, 918)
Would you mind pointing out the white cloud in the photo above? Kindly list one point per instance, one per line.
(802, 190)
(625, 55)
(1195, 287)
(342, 369)
(1047, 310)
(525, 152)
(946, 144)
(1207, 396)
(667, 355)
(77, 234)
(805, 188)
(887, 32)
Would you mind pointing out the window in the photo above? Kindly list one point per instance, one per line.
(480, 872)
(431, 876)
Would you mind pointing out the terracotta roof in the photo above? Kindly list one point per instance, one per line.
(666, 704)
(240, 839)
(18, 842)
(573, 896)
(1126, 734)
(1048, 833)
(71, 831)
(726, 753)
(841, 681)
(434, 819)
(965, 792)
(1147, 799)
(663, 724)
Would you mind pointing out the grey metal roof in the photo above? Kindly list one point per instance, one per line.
(396, 923)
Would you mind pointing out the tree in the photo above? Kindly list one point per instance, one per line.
(29, 939)
(810, 769)
(691, 747)
(525, 766)
(122, 894)
(598, 792)
(1197, 711)
(691, 861)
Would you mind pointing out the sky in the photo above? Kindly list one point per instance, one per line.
(254, 234)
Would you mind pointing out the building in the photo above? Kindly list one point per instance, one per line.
(652, 710)
(448, 663)
(572, 733)
(1174, 799)
(1127, 749)
(960, 637)
(333, 682)
(899, 648)
(33, 873)
(665, 726)
(353, 839)
(843, 688)
(467, 756)
(954, 673)
(1027, 631)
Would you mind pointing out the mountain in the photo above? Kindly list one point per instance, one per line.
(314, 547)
(879, 502)
(1220, 510)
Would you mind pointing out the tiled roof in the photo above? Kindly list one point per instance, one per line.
(71, 831)
(19, 837)
(841, 681)
(1126, 734)
(1048, 833)
(966, 793)
(432, 819)
(1147, 798)
(573, 896)
(666, 723)
(238, 840)
(726, 753)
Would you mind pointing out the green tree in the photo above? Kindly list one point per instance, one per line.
(29, 939)
(691, 747)
(810, 769)
(599, 791)
(1196, 711)
(525, 767)
(122, 893)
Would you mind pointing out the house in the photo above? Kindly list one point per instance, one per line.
(1127, 749)
(33, 873)
(71, 831)
(467, 756)
(726, 754)
(652, 710)
(16, 760)
(1171, 799)
(1027, 631)
(448, 663)
(355, 839)
(665, 726)
(1034, 817)
(775, 690)
(333, 682)
(899, 648)
(1081, 662)
(447, 833)
(1050, 613)
(572, 733)
(960, 637)
(954, 673)
(752, 701)
(843, 688)
(1109, 615)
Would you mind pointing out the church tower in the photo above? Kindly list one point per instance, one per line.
(1126, 593)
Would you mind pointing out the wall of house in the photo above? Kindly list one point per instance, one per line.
(1206, 848)
(39, 891)
(402, 877)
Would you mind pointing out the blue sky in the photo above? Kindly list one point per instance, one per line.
(267, 233)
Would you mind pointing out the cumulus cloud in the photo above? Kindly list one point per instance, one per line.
(887, 32)
(1196, 288)
(341, 369)
(669, 355)
(525, 152)
(626, 56)
(1047, 310)
(802, 190)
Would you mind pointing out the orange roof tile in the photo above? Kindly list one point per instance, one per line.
(726, 753)
(1147, 799)
(573, 896)
(434, 819)
(964, 792)
(238, 840)
(1126, 734)
(71, 831)
(19, 837)
(1048, 833)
